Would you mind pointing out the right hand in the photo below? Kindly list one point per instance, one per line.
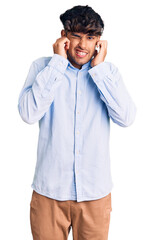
(61, 46)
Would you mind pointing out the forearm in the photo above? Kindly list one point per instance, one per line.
(38, 92)
(113, 92)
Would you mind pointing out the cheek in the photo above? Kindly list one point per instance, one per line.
(92, 48)
(71, 48)
(92, 51)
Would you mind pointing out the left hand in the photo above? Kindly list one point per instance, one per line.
(99, 56)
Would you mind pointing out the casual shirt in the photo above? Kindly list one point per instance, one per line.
(73, 108)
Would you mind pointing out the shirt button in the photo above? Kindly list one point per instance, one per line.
(77, 152)
(77, 132)
(78, 112)
(79, 92)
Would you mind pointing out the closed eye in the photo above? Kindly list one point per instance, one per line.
(75, 35)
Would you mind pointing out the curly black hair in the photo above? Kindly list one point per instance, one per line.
(82, 19)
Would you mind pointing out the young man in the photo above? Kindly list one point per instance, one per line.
(73, 95)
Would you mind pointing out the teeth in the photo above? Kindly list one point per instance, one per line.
(81, 53)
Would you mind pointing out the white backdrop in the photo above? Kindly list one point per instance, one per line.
(28, 30)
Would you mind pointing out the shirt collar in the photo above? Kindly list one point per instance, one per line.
(84, 66)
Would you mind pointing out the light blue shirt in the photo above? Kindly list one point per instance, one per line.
(73, 108)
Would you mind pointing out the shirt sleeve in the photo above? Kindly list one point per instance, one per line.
(113, 92)
(38, 91)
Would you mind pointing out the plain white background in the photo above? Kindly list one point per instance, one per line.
(28, 30)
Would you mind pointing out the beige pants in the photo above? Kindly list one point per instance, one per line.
(51, 219)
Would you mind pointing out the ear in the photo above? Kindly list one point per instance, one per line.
(63, 33)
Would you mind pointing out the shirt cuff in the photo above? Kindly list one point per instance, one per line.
(102, 70)
(59, 62)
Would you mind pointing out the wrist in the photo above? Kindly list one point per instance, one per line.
(61, 54)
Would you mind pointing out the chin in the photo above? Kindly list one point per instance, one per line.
(82, 61)
(77, 60)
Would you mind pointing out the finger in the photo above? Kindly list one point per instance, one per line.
(100, 42)
(103, 45)
(65, 40)
(66, 46)
(62, 40)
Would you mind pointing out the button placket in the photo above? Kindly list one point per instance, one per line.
(78, 136)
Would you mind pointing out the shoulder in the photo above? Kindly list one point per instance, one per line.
(110, 66)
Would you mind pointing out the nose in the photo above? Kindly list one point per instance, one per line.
(82, 43)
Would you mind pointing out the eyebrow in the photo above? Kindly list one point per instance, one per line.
(76, 35)
(90, 34)
(73, 34)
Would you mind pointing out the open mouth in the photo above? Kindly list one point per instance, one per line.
(81, 54)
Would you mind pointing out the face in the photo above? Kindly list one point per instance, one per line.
(81, 49)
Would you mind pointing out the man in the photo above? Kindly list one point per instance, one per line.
(73, 95)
